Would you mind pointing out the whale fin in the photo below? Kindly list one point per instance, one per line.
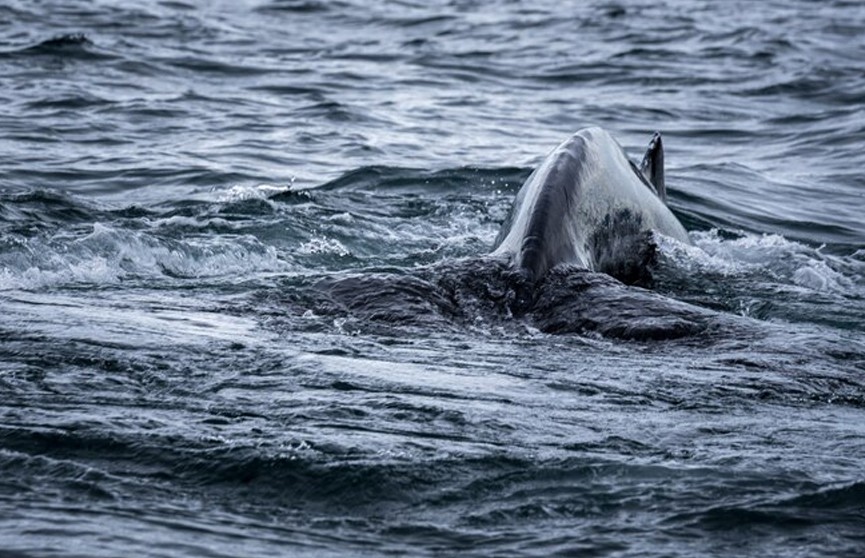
(652, 166)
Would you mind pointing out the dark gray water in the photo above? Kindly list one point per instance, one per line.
(245, 310)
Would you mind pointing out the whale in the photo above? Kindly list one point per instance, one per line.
(588, 205)
(573, 256)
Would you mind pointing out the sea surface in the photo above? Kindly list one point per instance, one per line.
(245, 308)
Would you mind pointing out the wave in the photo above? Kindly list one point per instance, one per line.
(476, 494)
(380, 217)
(54, 239)
(68, 47)
(108, 256)
(765, 276)
(400, 180)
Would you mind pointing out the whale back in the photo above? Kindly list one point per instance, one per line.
(588, 205)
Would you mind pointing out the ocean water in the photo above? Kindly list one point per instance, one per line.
(245, 310)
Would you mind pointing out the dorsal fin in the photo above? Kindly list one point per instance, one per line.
(652, 166)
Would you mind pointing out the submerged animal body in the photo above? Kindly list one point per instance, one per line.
(588, 205)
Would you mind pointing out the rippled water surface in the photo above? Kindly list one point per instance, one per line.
(246, 309)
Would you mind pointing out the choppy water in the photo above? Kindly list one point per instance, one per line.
(244, 310)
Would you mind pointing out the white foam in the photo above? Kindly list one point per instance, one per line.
(697, 258)
(177, 221)
(324, 245)
(241, 192)
(784, 261)
(108, 256)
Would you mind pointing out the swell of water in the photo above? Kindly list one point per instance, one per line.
(245, 308)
